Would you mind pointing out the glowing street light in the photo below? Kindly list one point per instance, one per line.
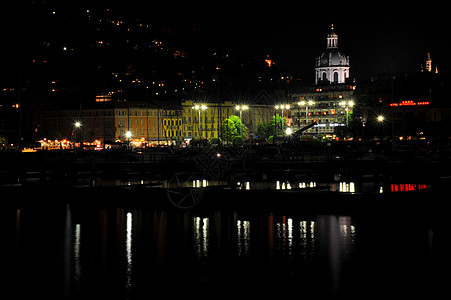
(380, 118)
(199, 108)
(306, 104)
(240, 108)
(288, 131)
(281, 107)
(77, 132)
(128, 135)
(347, 105)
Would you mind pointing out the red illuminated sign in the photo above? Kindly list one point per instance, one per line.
(409, 103)
(405, 187)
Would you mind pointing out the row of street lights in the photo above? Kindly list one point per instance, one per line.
(202, 107)
(346, 104)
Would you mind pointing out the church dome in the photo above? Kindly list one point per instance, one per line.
(332, 57)
(333, 65)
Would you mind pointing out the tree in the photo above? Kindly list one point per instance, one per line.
(233, 127)
(278, 124)
(264, 130)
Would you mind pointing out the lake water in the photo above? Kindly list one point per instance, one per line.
(76, 250)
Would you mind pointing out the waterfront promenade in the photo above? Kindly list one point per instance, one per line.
(184, 175)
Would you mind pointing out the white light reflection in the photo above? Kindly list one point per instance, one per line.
(285, 236)
(244, 237)
(128, 249)
(77, 254)
(72, 256)
(290, 235)
(347, 187)
(200, 183)
(303, 185)
(245, 185)
(283, 185)
(201, 237)
(307, 230)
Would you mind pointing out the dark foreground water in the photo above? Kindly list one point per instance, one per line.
(83, 251)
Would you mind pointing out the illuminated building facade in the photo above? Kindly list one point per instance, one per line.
(203, 120)
(124, 122)
(330, 106)
(146, 124)
(138, 122)
(172, 125)
(92, 124)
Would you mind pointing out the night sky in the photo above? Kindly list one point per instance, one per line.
(378, 36)
(382, 36)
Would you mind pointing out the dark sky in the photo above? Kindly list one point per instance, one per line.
(378, 36)
(382, 36)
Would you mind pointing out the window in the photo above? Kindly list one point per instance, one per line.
(336, 77)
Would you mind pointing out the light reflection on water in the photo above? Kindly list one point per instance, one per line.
(340, 186)
(117, 235)
(123, 254)
(201, 231)
(128, 249)
(243, 237)
(288, 239)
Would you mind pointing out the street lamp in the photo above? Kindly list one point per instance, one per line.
(282, 107)
(288, 131)
(77, 132)
(306, 104)
(199, 108)
(380, 118)
(128, 135)
(240, 108)
(347, 105)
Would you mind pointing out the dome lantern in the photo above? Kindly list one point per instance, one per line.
(332, 38)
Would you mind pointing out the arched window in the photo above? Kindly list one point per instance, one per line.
(324, 76)
(335, 77)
